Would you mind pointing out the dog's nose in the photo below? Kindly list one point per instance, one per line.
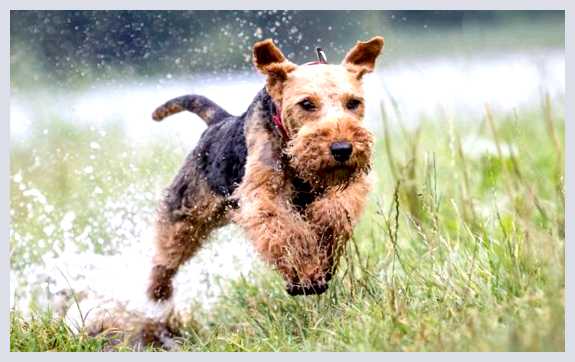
(316, 288)
(341, 151)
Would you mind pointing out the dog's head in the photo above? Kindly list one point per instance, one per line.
(322, 108)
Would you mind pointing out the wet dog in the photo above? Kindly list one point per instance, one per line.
(291, 171)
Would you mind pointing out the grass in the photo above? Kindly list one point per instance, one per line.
(459, 250)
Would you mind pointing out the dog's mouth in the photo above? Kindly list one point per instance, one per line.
(340, 173)
(341, 168)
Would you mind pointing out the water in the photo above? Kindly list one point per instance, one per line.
(123, 277)
(458, 86)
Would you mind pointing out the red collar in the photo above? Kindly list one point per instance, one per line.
(277, 117)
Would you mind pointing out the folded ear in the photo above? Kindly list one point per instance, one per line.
(270, 61)
(361, 58)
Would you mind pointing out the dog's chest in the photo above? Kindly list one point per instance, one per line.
(303, 194)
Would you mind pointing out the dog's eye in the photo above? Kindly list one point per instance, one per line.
(353, 104)
(307, 105)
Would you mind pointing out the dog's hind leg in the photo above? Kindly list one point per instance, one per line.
(181, 229)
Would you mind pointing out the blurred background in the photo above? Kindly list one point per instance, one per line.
(88, 164)
(85, 65)
(80, 47)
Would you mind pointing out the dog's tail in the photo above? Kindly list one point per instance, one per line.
(200, 105)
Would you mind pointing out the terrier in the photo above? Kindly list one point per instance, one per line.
(292, 170)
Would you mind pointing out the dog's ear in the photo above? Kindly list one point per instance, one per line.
(361, 58)
(271, 62)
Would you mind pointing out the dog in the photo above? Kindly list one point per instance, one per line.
(292, 171)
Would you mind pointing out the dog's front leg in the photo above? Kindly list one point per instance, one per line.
(333, 216)
(279, 233)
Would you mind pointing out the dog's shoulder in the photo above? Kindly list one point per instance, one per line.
(259, 123)
(221, 155)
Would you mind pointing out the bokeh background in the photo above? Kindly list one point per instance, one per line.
(83, 46)
(468, 108)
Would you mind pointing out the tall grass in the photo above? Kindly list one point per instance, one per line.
(461, 249)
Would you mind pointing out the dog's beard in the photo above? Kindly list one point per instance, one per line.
(337, 176)
(311, 160)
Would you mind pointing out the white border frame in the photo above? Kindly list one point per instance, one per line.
(288, 5)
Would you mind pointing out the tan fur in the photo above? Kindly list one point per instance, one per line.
(279, 234)
(306, 245)
(177, 242)
(166, 110)
(333, 218)
(122, 328)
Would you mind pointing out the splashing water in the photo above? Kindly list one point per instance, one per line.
(123, 277)
(418, 89)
